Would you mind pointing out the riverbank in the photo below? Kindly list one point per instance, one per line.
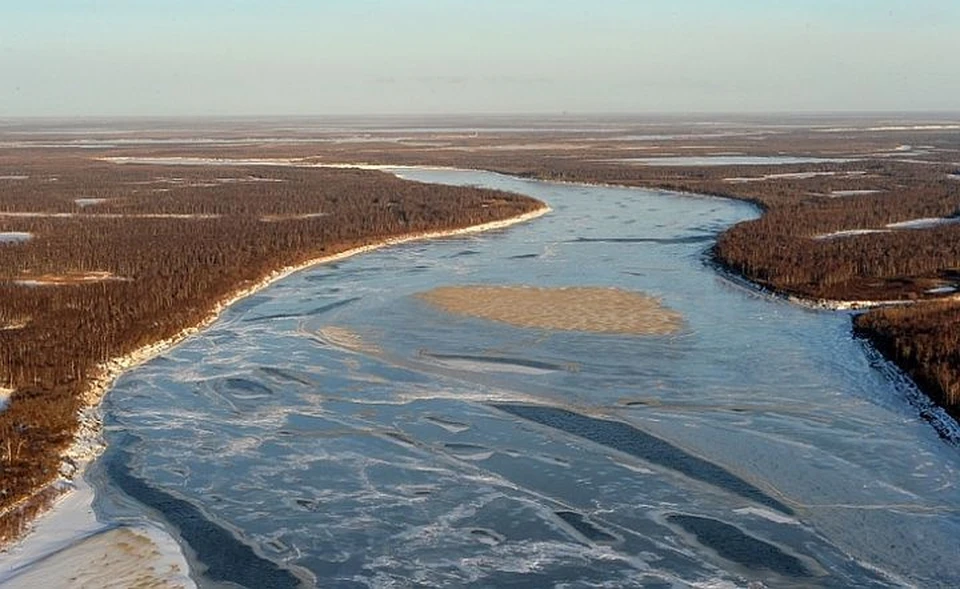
(69, 547)
(88, 443)
(67, 523)
(418, 428)
(902, 283)
(181, 273)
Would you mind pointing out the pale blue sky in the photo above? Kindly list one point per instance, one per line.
(219, 57)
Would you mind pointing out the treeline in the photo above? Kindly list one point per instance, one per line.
(167, 273)
(925, 341)
(779, 250)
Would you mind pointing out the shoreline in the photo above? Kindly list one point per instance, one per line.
(88, 441)
(832, 305)
(69, 543)
(88, 446)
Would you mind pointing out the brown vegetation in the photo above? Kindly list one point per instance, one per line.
(925, 340)
(270, 215)
(174, 270)
(780, 251)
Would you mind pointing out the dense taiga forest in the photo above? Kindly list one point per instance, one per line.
(124, 256)
(790, 249)
(824, 229)
(795, 248)
(840, 229)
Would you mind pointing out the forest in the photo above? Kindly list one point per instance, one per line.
(841, 229)
(124, 256)
(790, 249)
(823, 231)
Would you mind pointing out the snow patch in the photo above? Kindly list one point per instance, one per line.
(15, 236)
(924, 223)
(767, 514)
(792, 176)
(849, 233)
(950, 127)
(842, 193)
(87, 202)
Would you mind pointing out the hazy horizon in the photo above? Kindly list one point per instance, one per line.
(495, 58)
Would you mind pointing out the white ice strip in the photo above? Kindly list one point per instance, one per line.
(842, 193)
(15, 236)
(850, 233)
(792, 176)
(86, 202)
(767, 514)
(248, 179)
(924, 223)
(205, 161)
(719, 160)
(948, 127)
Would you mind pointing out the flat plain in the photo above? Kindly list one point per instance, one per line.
(125, 234)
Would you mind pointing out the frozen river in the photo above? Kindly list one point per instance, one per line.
(336, 429)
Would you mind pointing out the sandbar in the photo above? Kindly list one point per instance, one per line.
(589, 309)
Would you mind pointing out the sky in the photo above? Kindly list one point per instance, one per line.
(354, 57)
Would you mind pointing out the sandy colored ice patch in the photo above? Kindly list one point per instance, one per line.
(121, 557)
(88, 202)
(346, 339)
(592, 309)
(521, 147)
(843, 193)
(278, 218)
(65, 279)
(13, 325)
(248, 180)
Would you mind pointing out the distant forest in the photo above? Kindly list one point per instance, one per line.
(866, 181)
(789, 248)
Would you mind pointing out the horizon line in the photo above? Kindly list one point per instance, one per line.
(492, 115)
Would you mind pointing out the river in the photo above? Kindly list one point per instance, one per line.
(336, 429)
